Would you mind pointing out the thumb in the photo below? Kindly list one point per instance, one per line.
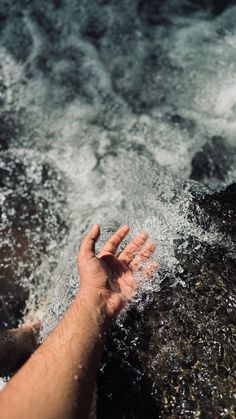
(87, 248)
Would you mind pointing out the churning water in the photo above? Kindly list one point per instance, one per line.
(121, 111)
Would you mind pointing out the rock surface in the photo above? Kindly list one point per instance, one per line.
(28, 223)
(177, 357)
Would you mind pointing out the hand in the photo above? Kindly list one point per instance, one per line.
(109, 278)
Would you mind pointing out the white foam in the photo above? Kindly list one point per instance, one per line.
(120, 164)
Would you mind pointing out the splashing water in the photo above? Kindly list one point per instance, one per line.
(107, 109)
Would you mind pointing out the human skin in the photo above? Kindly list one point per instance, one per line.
(57, 382)
(16, 346)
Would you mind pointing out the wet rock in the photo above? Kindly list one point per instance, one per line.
(215, 209)
(31, 217)
(47, 17)
(4, 12)
(155, 12)
(213, 161)
(10, 129)
(3, 90)
(181, 122)
(191, 339)
(16, 38)
(216, 7)
(13, 297)
(219, 6)
(130, 393)
(177, 357)
(149, 11)
(94, 26)
(65, 69)
(104, 2)
(144, 89)
(57, 3)
(183, 361)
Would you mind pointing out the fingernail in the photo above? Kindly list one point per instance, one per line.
(95, 228)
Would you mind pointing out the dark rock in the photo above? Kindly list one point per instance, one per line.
(94, 26)
(3, 90)
(219, 6)
(143, 90)
(29, 221)
(181, 122)
(57, 3)
(122, 376)
(13, 296)
(216, 208)
(177, 356)
(64, 68)
(46, 14)
(4, 12)
(216, 7)
(152, 12)
(10, 129)
(16, 38)
(149, 11)
(213, 161)
(194, 337)
(103, 2)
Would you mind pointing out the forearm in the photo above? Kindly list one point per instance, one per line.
(57, 382)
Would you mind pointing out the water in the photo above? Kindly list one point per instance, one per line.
(124, 112)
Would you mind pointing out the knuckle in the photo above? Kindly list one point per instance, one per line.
(113, 240)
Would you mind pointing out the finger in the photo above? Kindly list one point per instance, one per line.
(128, 254)
(150, 270)
(146, 251)
(87, 248)
(112, 244)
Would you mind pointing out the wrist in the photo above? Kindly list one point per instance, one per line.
(93, 302)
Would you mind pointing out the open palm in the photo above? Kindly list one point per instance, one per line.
(110, 276)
